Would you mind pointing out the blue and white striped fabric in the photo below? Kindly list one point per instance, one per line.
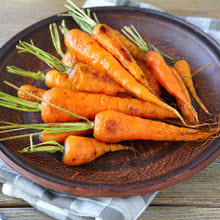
(64, 206)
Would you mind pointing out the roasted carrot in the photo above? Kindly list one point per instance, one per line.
(148, 74)
(33, 90)
(88, 105)
(56, 78)
(69, 59)
(112, 127)
(87, 24)
(188, 111)
(106, 37)
(155, 85)
(52, 78)
(77, 150)
(84, 78)
(84, 104)
(155, 61)
(183, 68)
(61, 137)
(89, 51)
(135, 52)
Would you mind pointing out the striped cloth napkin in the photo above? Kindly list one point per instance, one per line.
(64, 206)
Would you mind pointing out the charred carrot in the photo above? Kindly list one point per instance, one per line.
(33, 90)
(112, 127)
(183, 68)
(61, 137)
(77, 150)
(90, 52)
(84, 78)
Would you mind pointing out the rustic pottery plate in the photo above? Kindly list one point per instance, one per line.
(159, 164)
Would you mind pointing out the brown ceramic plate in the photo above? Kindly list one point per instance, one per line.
(160, 164)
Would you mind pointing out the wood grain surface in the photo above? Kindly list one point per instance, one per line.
(195, 198)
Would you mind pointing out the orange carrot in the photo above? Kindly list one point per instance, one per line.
(155, 61)
(77, 150)
(111, 126)
(155, 85)
(183, 68)
(84, 104)
(135, 52)
(89, 51)
(84, 78)
(69, 59)
(33, 90)
(188, 111)
(52, 78)
(81, 150)
(106, 37)
(88, 105)
(148, 74)
(161, 70)
(61, 137)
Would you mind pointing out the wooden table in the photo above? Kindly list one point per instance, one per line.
(195, 198)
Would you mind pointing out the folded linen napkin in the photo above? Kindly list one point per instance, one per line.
(64, 206)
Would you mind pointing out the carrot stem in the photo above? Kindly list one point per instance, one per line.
(200, 69)
(13, 102)
(136, 38)
(15, 87)
(81, 13)
(63, 27)
(15, 70)
(49, 59)
(56, 39)
(51, 146)
(50, 127)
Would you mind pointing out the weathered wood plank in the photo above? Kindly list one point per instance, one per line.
(23, 213)
(153, 212)
(202, 189)
(180, 213)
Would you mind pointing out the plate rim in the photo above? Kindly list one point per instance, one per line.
(110, 191)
